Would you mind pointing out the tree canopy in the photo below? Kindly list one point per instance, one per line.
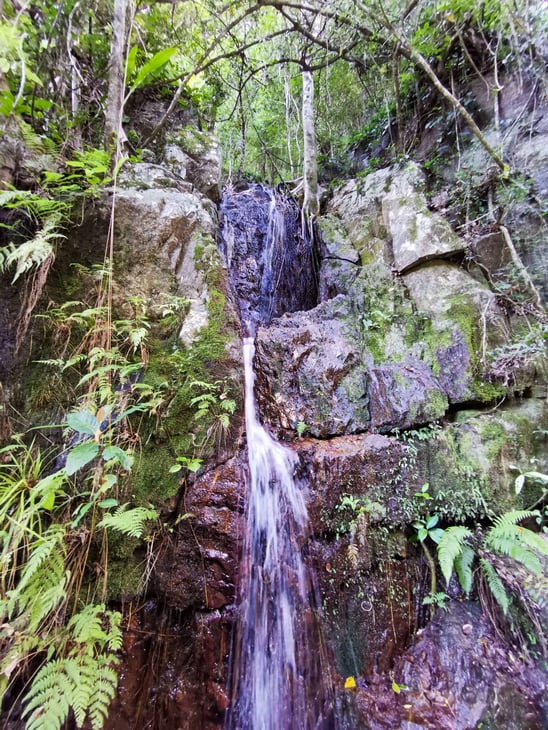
(239, 68)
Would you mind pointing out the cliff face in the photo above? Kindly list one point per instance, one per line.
(412, 387)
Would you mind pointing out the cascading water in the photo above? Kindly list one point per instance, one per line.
(271, 263)
(277, 678)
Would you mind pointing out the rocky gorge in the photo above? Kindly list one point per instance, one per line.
(395, 364)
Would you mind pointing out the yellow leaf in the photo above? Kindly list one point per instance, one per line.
(350, 683)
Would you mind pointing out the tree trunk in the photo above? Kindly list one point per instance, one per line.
(421, 62)
(311, 204)
(116, 81)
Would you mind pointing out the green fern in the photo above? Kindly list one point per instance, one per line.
(450, 547)
(85, 680)
(36, 251)
(509, 538)
(50, 547)
(48, 701)
(94, 623)
(463, 568)
(495, 585)
(42, 586)
(129, 521)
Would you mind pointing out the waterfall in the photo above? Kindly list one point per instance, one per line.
(270, 261)
(277, 678)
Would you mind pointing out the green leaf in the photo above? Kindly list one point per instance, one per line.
(130, 62)
(81, 512)
(463, 568)
(81, 455)
(155, 64)
(83, 422)
(48, 502)
(110, 502)
(495, 585)
(432, 521)
(422, 533)
(436, 534)
(128, 521)
(451, 544)
(115, 453)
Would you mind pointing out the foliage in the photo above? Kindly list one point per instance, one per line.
(458, 548)
(129, 522)
(56, 521)
(83, 677)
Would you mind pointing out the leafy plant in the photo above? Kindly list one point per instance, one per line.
(459, 548)
(427, 528)
(82, 677)
(504, 537)
(438, 600)
(129, 521)
(300, 428)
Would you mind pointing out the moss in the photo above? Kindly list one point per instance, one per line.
(487, 392)
(463, 313)
(192, 141)
(495, 436)
(151, 481)
(437, 403)
(124, 577)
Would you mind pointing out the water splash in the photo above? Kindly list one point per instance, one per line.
(278, 682)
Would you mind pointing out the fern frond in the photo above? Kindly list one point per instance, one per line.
(49, 698)
(463, 568)
(129, 521)
(35, 252)
(105, 682)
(352, 553)
(87, 625)
(533, 540)
(228, 405)
(85, 680)
(513, 517)
(42, 587)
(450, 546)
(49, 546)
(509, 538)
(526, 557)
(97, 625)
(5, 253)
(495, 585)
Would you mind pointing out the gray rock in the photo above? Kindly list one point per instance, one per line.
(417, 234)
(390, 204)
(199, 157)
(162, 231)
(308, 370)
(404, 394)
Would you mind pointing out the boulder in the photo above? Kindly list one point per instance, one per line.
(417, 235)
(165, 241)
(196, 156)
(308, 371)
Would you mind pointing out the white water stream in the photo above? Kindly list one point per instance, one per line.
(277, 664)
(277, 682)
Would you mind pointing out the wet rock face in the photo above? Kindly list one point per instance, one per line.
(173, 670)
(199, 567)
(457, 676)
(270, 261)
(404, 331)
(308, 371)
